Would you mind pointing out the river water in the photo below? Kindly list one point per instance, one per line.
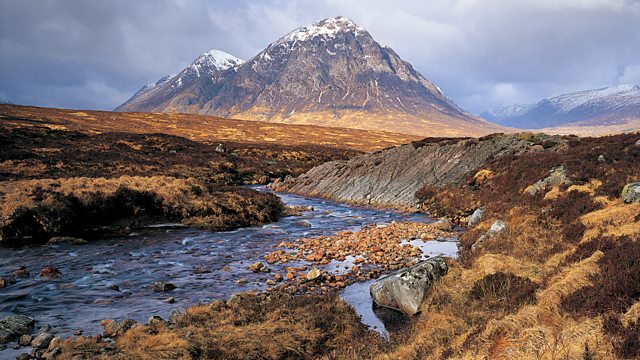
(191, 259)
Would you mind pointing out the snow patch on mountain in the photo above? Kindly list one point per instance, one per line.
(618, 101)
(216, 59)
(327, 28)
(612, 95)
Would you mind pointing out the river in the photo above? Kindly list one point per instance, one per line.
(111, 278)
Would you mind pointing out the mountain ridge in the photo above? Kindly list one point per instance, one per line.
(613, 105)
(349, 80)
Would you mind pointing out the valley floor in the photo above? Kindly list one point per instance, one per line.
(549, 271)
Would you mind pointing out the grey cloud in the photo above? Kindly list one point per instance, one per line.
(93, 54)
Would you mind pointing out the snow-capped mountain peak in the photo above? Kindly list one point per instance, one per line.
(216, 59)
(327, 28)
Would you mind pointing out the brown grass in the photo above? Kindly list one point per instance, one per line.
(200, 128)
(247, 326)
(36, 210)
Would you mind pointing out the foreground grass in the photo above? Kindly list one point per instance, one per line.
(277, 326)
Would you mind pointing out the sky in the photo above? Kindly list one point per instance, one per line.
(86, 54)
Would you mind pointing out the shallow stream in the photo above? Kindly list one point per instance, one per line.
(112, 278)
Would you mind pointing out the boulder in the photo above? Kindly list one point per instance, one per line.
(221, 149)
(14, 326)
(113, 328)
(25, 340)
(443, 224)
(155, 319)
(163, 286)
(21, 272)
(476, 217)
(405, 290)
(631, 193)
(259, 267)
(42, 341)
(557, 176)
(497, 228)
(314, 274)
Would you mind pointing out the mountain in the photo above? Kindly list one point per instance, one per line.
(615, 105)
(200, 73)
(332, 73)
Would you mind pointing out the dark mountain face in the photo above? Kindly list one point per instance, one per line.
(332, 73)
(601, 107)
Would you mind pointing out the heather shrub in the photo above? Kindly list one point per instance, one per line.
(617, 286)
(504, 290)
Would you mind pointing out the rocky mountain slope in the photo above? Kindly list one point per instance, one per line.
(197, 75)
(332, 73)
(616, 105)
(390, 178)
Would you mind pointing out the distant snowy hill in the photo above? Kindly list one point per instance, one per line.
(601, 107)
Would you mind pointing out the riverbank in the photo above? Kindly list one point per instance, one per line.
(36, 211)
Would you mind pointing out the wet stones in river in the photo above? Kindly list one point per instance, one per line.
(259, 267)
(113, 328)
(42, 341)
(201, 270)
(163, 286)
(14, 326)
(314, 275)
(405, 289)
(25, 340)
(66, 240)
(21, 272)
(297, 210)
(443, 224)
(4, 282)
(50, 272)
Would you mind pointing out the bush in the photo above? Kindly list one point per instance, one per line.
(617, 286)
(504, 290)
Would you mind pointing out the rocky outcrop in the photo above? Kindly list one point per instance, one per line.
(390, 178)
(476, 217)
(631, 193)
(406, 289)
(557, 176)
(14, 326)
(496, 229)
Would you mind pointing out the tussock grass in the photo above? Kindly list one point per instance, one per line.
(36, 210)
(247, 326)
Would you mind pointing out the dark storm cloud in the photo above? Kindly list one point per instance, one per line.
(95, 54)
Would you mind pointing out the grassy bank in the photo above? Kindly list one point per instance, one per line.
(33, 211)
(560, 282)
